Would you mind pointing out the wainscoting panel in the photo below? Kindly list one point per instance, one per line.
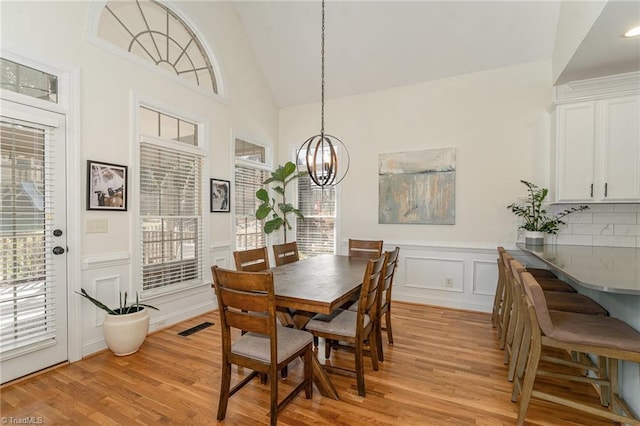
(485, 277)
(434, 273)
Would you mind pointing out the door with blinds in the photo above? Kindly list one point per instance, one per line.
(33, 290)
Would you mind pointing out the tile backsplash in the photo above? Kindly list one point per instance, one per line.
(616, 225)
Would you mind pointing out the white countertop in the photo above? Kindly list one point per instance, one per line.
(608, 269)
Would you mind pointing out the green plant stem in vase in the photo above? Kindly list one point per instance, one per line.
(535, 215)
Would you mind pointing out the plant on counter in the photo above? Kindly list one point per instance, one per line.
(535, 216)
(283, 176)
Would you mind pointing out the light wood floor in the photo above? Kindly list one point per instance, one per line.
(444, 369)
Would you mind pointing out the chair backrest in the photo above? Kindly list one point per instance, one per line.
(536, 295)
(252, 260)
(366, 249)
(286, 253)
(246, 301)
(388, 273)
(369, 299)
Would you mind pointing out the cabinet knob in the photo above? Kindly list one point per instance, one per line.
(591, 191)
(605, 189)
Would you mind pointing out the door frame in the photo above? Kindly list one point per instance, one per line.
(69, 105)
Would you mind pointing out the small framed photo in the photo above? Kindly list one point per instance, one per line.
(106, 186)
(220, 196)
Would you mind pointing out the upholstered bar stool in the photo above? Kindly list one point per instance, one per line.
(602, 336)
(561, 301)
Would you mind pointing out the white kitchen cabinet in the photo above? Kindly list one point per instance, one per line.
(598, 150)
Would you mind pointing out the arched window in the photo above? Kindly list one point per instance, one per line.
(155, 33)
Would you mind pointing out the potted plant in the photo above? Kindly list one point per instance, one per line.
(537, 221)
(126, 327)
(279, 211)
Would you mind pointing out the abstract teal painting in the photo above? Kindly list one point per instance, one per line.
(417, 187)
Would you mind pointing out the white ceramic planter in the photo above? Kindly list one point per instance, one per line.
(534, 238)
(124, 334)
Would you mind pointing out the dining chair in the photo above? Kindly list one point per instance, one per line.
(354, 328)
(604, 337)
(384, 309)
(246, 301)
(252, 260)
(366, 249)
(286, 253)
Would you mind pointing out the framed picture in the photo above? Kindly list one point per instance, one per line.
(106, 186)
(220, 196)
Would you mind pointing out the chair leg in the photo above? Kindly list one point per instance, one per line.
(308, 374)
(327, 348)
(529, 379)
(378, 332)
(387, 317)
(225, 383)
(374, 346)
(274, 397)
(360, 366)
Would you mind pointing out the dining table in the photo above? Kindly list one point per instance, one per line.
(316, 285)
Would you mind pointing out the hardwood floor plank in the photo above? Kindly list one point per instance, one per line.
(444, 369)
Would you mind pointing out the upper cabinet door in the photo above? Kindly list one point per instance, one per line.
(575, 144)
(619, 133)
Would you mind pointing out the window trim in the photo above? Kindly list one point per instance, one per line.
(202, 149)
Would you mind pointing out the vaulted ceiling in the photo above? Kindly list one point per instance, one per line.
(375, 45)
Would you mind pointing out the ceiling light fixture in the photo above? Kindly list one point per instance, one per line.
(633, 32)
(325, 156)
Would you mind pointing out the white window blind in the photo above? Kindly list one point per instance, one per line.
(315, 233)
(171, 216)
(249, 233)
(27, 308)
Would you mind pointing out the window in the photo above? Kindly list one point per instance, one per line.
(28, 81)
(171, 204)
(250, 172)
(155, 33)
(315, 233)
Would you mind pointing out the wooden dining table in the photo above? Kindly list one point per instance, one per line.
(320, 284)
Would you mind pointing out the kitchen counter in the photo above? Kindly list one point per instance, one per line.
(606, 269)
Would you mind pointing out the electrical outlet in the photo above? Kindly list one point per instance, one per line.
(448, 282)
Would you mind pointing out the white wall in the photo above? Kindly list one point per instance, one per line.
(498, 123)
(56, 32)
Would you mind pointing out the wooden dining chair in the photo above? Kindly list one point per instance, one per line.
(355, 328)
(246, 301)
(366, 249)
(384, 308)
(286, 253)
(252, 260)
(604, 337)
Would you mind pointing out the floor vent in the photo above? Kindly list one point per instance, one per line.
(195, 329)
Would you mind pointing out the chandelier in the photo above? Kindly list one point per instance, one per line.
(325, 156)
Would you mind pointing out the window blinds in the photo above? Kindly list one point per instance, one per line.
(249, 233)
(27, 293)
(171, 216)
(315, 233)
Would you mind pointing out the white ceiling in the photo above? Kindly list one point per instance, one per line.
(373, 45)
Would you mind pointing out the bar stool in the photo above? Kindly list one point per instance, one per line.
(602, 336)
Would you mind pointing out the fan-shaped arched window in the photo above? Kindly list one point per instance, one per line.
(152, 31)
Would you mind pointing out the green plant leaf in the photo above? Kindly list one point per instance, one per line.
(262, 195)
(279, 190)
(263, 211)
(273, 225)
(288, 168)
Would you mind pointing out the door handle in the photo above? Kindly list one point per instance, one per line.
(58, 250)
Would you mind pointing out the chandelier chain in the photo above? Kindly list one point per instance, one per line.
(322, 77)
